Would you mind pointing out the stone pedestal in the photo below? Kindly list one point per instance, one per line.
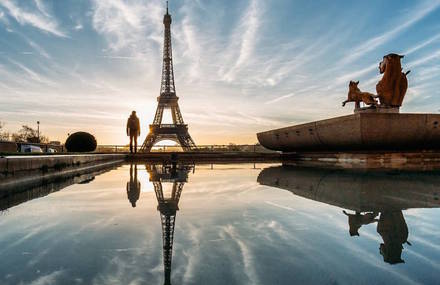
(378, 109)
(361, 131)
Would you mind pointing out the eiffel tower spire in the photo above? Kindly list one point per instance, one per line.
(178, 131)
(167, 85)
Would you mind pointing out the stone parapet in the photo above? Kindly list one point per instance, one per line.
(14, 164)
(361, 131)
(378, 109)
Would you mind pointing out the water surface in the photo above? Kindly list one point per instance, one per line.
(224, 224)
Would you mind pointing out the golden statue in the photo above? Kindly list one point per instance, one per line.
(391, 89)
(357, 96)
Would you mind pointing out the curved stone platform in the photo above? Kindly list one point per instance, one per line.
(361, 131)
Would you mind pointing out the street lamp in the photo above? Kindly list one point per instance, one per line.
(38, 131)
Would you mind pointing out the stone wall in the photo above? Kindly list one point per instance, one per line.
(6, 146)
(25, 163)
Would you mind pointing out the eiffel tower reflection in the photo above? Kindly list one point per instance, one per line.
(168, 205)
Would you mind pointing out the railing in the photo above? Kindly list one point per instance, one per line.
(256, 148)
(169, 126)
(200, 148)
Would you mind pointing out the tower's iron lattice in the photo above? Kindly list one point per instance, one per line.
(168, 206)
(178, 131)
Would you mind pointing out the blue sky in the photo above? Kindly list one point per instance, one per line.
(240, 66)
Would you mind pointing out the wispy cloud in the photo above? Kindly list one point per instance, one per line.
(244, 39)
(78, 27)
(404, 23)
(425, 59)
(246, 254)
(190, 36)
(3, 18)
(126, 23)
(33, 74)
(280, 98)
(356, 74)
(42, 8)
(40, 20)
(51, 278)
(422, 44)
(39, 49)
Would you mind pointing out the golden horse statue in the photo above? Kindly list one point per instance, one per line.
(391, 89)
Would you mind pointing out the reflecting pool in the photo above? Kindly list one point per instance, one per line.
(222, 224)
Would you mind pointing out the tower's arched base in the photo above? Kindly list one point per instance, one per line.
(177, 133)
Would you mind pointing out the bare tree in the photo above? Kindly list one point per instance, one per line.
(28, 134)
(4, 136)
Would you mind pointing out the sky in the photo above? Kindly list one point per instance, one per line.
(241, 66)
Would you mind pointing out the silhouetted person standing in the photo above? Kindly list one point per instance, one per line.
(133, 130)
(134, 186)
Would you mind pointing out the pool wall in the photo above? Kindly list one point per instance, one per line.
(15, 164)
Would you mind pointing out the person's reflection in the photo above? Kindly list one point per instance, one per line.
(394, 231)
(133, 186)
(357, 220)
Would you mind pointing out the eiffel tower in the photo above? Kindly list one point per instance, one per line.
(178, 131)
(168, 206)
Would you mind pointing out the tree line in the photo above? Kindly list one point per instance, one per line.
(25, 134)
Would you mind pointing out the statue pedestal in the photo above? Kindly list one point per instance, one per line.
(361, 131)
(378, 109)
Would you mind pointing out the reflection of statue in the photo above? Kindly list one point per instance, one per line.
(364, 193)
(392, 87)
(356, 221)
(134, 186)
(357, 96)
(394, 231)
(392, 228)
(168, 206)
